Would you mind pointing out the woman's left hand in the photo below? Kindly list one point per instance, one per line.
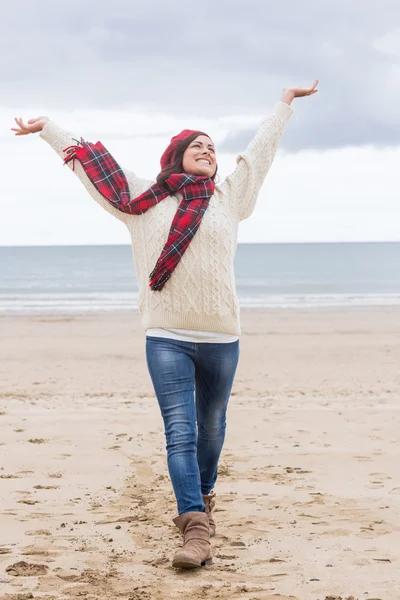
(290, 93)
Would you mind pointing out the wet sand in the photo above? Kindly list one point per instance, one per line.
(309, 487)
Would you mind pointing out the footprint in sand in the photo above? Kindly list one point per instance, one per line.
(144, 472)
(365, 458)
(35, 551)
(24, 569)
(224, 470)
(35, 532)
(378, 480)
(27, 596)
(337, 532)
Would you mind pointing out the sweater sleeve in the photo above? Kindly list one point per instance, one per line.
(59, 139)
(243, 185)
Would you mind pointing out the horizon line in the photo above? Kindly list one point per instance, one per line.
(239, 244)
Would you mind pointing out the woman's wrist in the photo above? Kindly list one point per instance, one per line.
(287, 96)
(44, 122)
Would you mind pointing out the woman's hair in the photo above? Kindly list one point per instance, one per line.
(177, 165)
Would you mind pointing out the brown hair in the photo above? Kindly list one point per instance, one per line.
(177, 165)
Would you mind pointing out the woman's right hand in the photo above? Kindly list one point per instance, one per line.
(33, 125)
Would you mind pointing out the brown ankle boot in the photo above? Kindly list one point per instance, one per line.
(196, 550)
(209, 501)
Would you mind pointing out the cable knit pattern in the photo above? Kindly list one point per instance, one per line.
(201, 294)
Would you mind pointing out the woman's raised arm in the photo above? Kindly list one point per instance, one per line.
(59, 140)
(243, 185)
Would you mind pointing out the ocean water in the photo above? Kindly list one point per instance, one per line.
(82, 279)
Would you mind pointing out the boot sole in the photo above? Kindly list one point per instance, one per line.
(187, 564)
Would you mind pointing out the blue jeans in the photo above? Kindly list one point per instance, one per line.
(192, 383)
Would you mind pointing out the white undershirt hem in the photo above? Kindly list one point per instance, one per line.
(195, 337)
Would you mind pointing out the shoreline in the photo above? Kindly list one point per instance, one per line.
(244, 311)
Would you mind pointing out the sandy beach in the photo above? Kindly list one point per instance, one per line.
(308, 502)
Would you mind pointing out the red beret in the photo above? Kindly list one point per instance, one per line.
(168, 156)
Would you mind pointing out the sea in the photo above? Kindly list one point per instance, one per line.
(92, 279)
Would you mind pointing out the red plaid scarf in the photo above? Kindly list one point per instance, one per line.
(110, 181)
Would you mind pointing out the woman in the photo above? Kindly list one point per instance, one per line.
(184, 231)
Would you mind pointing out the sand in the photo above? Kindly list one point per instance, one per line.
(309, 487)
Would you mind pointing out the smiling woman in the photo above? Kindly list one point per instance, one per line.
(184, 233)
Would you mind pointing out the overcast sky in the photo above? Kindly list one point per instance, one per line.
(133, 74)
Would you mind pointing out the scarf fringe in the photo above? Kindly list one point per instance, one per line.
(71, 151)
(158, 280)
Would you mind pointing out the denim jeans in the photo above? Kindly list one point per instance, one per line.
(192, 383)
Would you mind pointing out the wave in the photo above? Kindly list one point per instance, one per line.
(81, 303)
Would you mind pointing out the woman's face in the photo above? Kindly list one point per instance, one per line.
(199, 157)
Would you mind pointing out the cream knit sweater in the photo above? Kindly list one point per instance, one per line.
(201, 293)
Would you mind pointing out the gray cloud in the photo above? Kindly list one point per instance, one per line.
(210, 58)
(335, 131)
